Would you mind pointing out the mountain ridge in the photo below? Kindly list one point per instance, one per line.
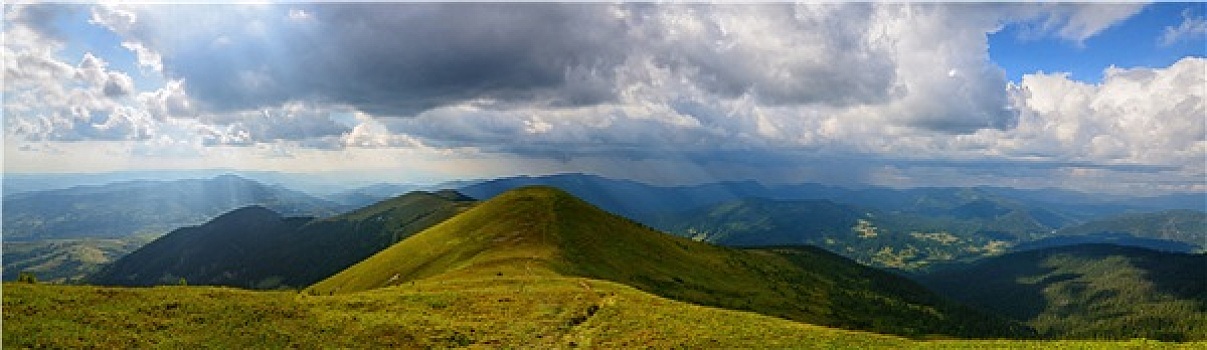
(1090, 291)
(543, 231)
(144, 207)
(243, 248)
(597, 189)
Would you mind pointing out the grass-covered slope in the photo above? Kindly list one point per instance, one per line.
(256, 248)
(324, 247)
(541, 231)
(1090, 291)
(537, 312)
(527, 312)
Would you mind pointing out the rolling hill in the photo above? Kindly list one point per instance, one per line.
(1186, 226)
(143, 207)
(904, 241)
(1051, 208)
(65, 260)
(254, 247)
(367, 195)
(541, 232)
(1089, 291)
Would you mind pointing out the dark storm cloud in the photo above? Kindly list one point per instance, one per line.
(783, 53)
(395, 59)
(434, 54)
(402, 59)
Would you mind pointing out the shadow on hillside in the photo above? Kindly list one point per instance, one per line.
(1183, 276)
(1014, 290)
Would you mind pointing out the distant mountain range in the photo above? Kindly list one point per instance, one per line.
(919, 241)
(1089, 291)
(910, 230)
(144, 207)
(871, 237)
(915, 229)
(254, 247)
(362, 196)
(1189, 226)
(637, 200)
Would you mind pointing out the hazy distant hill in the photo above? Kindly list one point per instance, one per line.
(760, 222)
(1187, 226)
(254, 247)
(143, 207)
(907, 241)
(1089, 291)
(1120, 239)
(362, 196)
(1050, 207)
(65, 260)
(541, 231)
(630, 199)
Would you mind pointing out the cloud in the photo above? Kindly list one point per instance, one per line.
(146, 57)
(289, 122)
(434, 54)
(1072, 22)
(626, 78)
(1084, 22)
(117, 19)
(369, 133)
(1137, 115)
(49, 99)
(781, 54)
(857, 60)
(524, 55)
(299, 15)
(896, 90)
(1191, 28)
(40, 18)
(111, 83)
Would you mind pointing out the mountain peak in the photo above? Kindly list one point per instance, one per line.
(453, 195)
(231, 178)
(251, 212)
(544, 232)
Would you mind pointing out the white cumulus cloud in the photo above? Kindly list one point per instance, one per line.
(1136, 115)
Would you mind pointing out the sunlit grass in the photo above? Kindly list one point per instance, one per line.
(541, 312)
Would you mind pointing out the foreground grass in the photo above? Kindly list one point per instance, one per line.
(540, 312)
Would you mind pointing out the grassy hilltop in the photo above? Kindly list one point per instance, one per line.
(542, 231)
(254, 247)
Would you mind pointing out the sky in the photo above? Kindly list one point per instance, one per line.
(1108, 98)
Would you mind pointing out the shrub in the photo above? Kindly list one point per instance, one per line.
(27, 277)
